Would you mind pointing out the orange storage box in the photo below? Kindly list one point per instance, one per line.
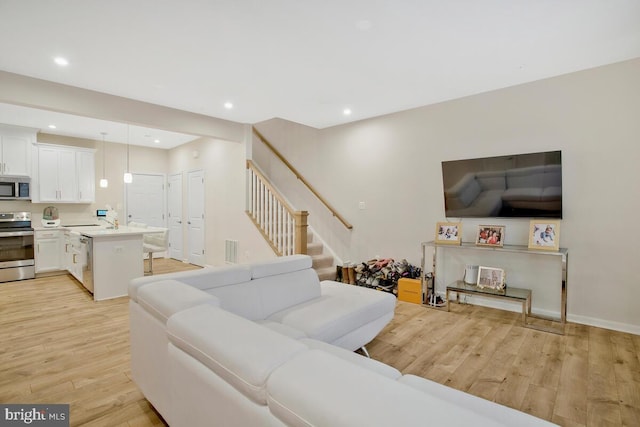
(410, 290)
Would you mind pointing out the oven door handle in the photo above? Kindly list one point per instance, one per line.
(15, 233)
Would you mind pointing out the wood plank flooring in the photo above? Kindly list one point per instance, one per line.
(588, 377)
(59, 346)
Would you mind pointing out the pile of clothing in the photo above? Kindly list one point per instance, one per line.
(381, 274)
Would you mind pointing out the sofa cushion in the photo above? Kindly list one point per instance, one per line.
(287, 289)
(280, 265)
(316, 388)
(166, 297)
(353, 357)
(242, 299)
(485, 408)
(241, 352)
(340, 310)
(287, 330)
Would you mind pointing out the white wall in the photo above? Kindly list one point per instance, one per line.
(392, 163)
(223, 163)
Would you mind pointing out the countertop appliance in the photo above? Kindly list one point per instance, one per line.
(15, 188)
(50, 217)
(17, 260)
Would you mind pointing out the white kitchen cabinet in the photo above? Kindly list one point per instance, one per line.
(86, 168)
(64, 174)
(15, 150)
(67, 252)
(49, 253)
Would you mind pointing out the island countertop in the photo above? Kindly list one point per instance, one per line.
(96, 232)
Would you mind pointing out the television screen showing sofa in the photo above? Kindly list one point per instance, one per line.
(516, 185)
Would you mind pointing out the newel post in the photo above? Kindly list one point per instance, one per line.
(300, 218)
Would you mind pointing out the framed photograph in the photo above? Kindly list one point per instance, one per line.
(492, 278)
(449, 233)
(490, 235)
(544, 235)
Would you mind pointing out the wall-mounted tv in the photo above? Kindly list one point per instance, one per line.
(517, 185)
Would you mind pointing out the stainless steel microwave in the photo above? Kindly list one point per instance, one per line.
(15, 188)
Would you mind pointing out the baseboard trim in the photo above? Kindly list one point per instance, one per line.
(583, 320)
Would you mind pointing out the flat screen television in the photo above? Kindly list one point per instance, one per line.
(518, 185)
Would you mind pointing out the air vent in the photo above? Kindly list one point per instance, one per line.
(231, 251)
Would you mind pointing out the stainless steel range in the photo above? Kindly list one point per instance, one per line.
(16, 247)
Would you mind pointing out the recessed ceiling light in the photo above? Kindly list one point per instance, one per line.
(157, 141)
(52, 126)
(228, 105)
(61, 61)
(346, 111)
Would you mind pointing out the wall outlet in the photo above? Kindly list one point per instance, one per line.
(118, 249)
(362, 205)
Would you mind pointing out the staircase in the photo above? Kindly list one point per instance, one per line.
(284, 228)
(322, 263)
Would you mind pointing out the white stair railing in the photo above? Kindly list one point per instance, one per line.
(284, 228)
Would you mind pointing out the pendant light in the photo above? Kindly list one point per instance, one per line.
(128, 178)
(104, 183)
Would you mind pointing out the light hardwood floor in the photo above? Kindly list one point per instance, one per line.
(59, 346)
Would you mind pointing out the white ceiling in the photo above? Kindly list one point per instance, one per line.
(88, 128)
(307, 61)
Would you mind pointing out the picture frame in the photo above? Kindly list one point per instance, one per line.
(448, 233)
(490, 235)
(544, 235)
(491, 278)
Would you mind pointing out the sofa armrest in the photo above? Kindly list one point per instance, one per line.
(165, 298)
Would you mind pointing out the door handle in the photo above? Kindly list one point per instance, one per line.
(74, 258)
(188, 222)
(179, 222)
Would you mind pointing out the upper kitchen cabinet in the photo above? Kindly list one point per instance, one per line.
(64, 174)
(86, 168)
(15, 150)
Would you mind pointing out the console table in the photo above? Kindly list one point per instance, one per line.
(514, 294)
(522, 296)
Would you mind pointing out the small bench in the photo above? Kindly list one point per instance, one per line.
(512, 294)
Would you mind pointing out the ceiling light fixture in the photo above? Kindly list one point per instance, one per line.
(104, 183)
(157, 141)
(52, 126)
(228, 105)
(128, 178)
(61, 61)
(346, 111)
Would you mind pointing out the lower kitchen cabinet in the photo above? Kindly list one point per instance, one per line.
(49, 253)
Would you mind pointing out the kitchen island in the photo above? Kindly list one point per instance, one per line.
(113, 258)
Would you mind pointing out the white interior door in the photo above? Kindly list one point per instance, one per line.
(145, 200)
(174, 215)
(195, 217)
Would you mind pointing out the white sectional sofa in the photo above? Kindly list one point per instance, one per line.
(268, 344)
(483, 194)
